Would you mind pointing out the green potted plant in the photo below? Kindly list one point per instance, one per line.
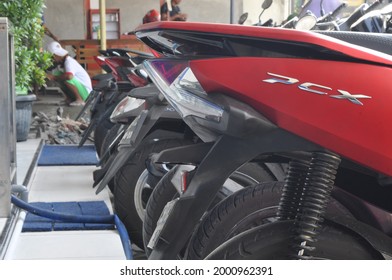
(31, 61)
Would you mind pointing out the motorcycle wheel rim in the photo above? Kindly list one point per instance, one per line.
(141, 189)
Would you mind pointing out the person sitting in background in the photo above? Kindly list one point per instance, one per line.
(151, 16)
(73, 79)
(172, 11)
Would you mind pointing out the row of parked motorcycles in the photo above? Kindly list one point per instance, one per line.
(251, 142)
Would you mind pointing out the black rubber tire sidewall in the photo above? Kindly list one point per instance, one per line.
(108, 139)
(110, 136)
(163, 192)
(231, 214)
(100, 132)
(104, 124)
(125, 182)
(272, 242)
(217, 224)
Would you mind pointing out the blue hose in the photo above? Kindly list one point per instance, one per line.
(126, 243)
(107, 219)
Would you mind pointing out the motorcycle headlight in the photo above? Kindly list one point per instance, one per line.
(178, 84)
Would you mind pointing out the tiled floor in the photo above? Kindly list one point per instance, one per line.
(65, 183)
(58, 184)
(63, 245)
(55, 184)
(26, 151)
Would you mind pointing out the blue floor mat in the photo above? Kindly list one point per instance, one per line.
(52, 155)
(34, 223)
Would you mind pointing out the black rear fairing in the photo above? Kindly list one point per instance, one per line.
(188, 44)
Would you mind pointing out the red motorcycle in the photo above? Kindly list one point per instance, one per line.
(122, 77)
(278, 95)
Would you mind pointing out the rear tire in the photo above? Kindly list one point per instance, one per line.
(245, 209)
(245, 226)
(165, 192)
(108, 139)
(111, 135)
(272, 242)
(100, 132)
(128, 195)
(104, 125)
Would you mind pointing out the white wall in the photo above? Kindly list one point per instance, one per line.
(207, 10)
(278, 11)
(67, 19)
(132, 11)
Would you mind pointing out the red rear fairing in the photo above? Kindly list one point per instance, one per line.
(123, 70)
(358, 132)
(116, 63)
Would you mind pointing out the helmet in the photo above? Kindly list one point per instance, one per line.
(151, 16)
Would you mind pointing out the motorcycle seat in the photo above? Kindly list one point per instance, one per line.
(376, 41)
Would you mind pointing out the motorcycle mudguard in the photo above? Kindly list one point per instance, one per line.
(377, 239)
(190, 154)
(91, 97)
(91, 127)
(96, 101)
(131, 140)
(110, 149)
(194, 154)
(120, 158)
(98, 174)
(93, 124)
(219, 163)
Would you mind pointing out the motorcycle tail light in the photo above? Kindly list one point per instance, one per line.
(100, 60)
(115, 63)
(135, 79)
(176, 81)
(124, 107)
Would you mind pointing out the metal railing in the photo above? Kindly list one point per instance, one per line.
(7, 132)
(7, 118)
